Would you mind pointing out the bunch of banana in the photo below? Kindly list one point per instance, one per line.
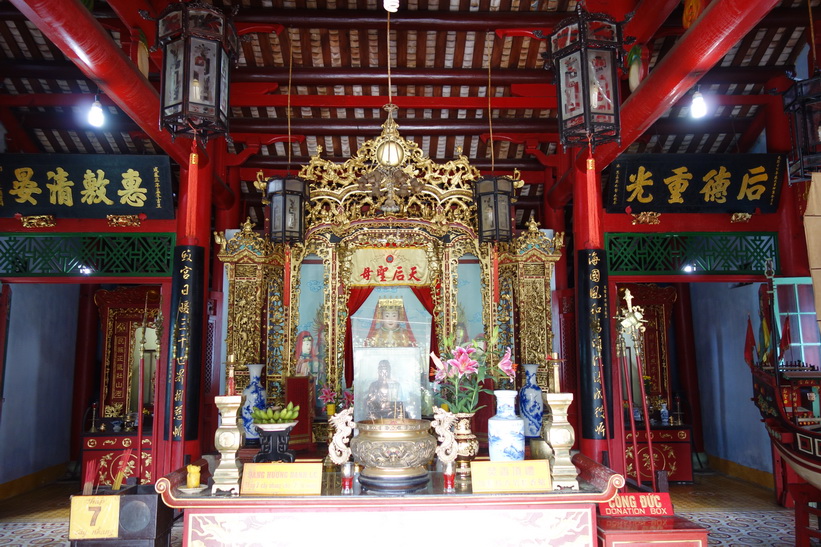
(271, 416)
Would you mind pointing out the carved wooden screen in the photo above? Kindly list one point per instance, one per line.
(123, 313)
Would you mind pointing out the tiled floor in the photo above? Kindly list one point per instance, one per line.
(735, 513)
(715, 492)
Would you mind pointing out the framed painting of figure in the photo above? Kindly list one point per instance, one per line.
(311, 345)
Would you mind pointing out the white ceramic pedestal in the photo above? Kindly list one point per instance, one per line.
(228, 439)
(560, 436)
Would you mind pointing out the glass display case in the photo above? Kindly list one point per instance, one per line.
(390, 355)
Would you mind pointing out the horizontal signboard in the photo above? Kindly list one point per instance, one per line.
(695, 183)
(85, 185)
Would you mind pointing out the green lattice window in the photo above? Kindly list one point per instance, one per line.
(87, 255)
(704, 253)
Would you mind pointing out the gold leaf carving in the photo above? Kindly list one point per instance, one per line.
(38, 221)
(647, 217)
(123, 221)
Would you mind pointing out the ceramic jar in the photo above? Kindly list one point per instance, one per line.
(253, 397)
(530, 402)
(505, 430)
(467, 445)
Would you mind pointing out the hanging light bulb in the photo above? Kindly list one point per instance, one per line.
(96, 116)
(698, 108)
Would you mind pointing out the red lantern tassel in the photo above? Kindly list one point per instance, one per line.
(286, 286)
(495, 273)
(192, 189)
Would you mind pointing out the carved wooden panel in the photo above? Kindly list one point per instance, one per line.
(123, 313)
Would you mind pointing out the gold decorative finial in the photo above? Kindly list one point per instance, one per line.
(532, 225)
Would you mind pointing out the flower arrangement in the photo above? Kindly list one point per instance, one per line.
(648, 384)
(329, 396)
(460, 377)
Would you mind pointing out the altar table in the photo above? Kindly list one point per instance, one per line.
(365, 519)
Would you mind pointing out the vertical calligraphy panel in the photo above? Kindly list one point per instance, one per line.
(593, 335)
(186, 340)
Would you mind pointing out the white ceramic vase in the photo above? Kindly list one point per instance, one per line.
(505, 430)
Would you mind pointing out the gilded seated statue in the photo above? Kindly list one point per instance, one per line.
(384, 397)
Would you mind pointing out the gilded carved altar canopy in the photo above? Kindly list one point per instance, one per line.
(423, 212)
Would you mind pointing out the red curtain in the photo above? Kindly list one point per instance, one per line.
(356, 298)
(425, 296)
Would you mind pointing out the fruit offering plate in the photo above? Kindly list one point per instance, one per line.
(282, 426)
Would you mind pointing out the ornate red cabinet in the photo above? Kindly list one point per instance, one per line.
(671, 451)
(109, 450)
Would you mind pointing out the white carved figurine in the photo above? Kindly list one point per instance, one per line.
(443, 425)
(343, 425)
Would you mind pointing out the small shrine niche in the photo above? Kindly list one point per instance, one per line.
(387, 225)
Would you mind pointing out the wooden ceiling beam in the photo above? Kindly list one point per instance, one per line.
(63, 70)
(422, 20)
(408, 127)
(86, 44)
(456, 21)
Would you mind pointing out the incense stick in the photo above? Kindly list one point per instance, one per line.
(118, 480)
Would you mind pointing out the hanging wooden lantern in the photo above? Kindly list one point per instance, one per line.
(585, 53)
(802, 101)
(287, 196)
(494, 195)
(199, 46)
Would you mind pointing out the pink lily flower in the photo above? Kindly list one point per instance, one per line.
(327, 395)
(441, 369)
(506, 365)
(462, 363)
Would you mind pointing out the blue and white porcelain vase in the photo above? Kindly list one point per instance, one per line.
(506, 430)
(664, 414)
(530, 402)
(253, 397)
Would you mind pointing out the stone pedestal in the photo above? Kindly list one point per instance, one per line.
(559, 434)
(228, 439)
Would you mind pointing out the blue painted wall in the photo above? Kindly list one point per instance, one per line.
(36, 422)
(732, 424)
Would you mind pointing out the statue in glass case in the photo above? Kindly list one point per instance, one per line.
(384, 398)
(390, 328)
(390, 350)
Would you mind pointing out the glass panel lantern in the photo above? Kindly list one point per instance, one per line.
(287, 196)
(803, 102)
(494, 196)
(199, 46)
(585, 52)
